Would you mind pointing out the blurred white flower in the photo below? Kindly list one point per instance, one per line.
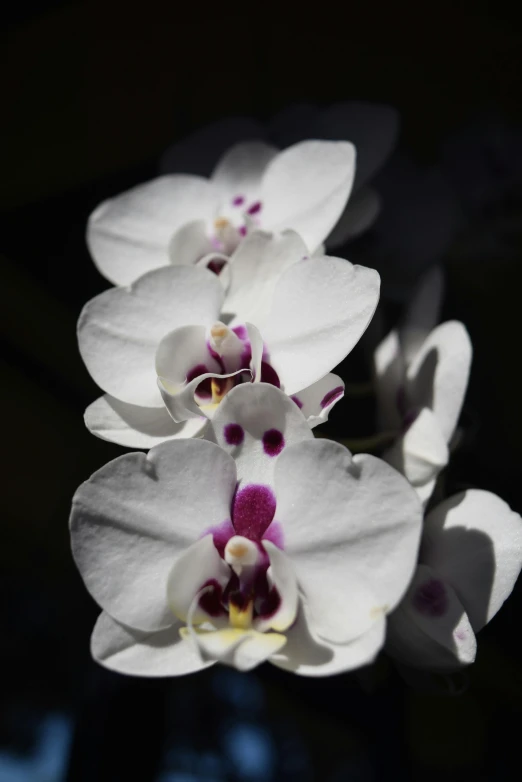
(266, 545)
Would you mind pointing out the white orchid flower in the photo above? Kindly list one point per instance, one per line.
(181, 218)
(286, 319)
(470, 559)
(371, 127)
(265, 545)
(421, 377)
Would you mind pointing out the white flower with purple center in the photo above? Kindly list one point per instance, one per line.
(167, 349)
(421, 380)
(470, 559)
(264, 545)
(180, 219)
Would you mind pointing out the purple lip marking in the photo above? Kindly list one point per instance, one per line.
(431, 599)
(204, 390)
(269, 375)
(253, 510)
(241, 332)
(238, 200)
(242, 230)
(211, 600)
(331, 396)
(254, 208)
(234, 434)
(216, 265)
(297, 402)
(273, 442)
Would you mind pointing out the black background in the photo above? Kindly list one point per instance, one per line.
(92, 94)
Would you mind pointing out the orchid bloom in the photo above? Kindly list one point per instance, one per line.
(175, 343)
(371, 127)
(266, 544)
(470, 559)
(421, 379)
(181, 219)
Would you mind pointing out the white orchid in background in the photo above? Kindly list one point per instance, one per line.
(470, 559)
(176, 341)
(266, 545)
(371, 127)
(421, 375)
(180, 218)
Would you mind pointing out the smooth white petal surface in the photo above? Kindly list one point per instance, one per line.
(128, 651)
(316, 401)
(133, 517)
(120, 330)
(241, 649)
(189, 244)
(283, 577)
(255, 423)
(421, 452)
(430, 629)
(198, 564)
(423, 312)
(474, 541)
(352, 528)
(306, 187)
(130, 234)
(307, 655)
(389, 372)
(240, 170)
(256, 266)
(134, 426)
(320, 309)
(359, 214)
(438, 376)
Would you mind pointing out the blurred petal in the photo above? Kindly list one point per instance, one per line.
(360, 213)
(389, 369)
(422, 314)
(189, 244)
(421, 452)
(240, 170)
(282, 575)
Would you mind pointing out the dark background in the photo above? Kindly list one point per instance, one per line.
(92, 94)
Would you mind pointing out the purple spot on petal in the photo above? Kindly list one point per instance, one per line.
(234, 434)
(297, 402)
(253, 510)
(241, 332)
(242, 230)
(255, 208)
(211, 600)
(275, 534)
(331, 396)
(267, 607)
(273, 442)
(431, 599)
(269, 375)
(221, 534)
(204, 389)
(216, 265)
(238, 200)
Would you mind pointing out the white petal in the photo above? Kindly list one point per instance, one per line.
(474, 541)
(240, 170)
(199, 152)
(320, 309)
(256, 266)
(242, 649)
(438, 376)
(423, 312)
(132, 518)
(129, 235)
(128, 651)
(316, 401)
(247, 424)
(306, 187)
(421, 452)
(119, 330)
(189, 244)
(195, 566)
(430, 628)
(134, 426)
(359, 214)
(283, 577)
(256, 650)
(306, 655)
(389, 369)
(351, 528)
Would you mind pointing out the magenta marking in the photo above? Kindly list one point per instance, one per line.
(297, 402)
(431, 598)
(331, 396)
(234, 434)
(255, 208)
(204, 389)
(238, 200)
(274, 533)
(221, 534)
(216, 265)
(269, 375)
(242, 230)
(241, 332)
(253, 510)
(211, 600)
(273, 442)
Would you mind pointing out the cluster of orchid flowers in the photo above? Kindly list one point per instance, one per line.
(240, 537)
